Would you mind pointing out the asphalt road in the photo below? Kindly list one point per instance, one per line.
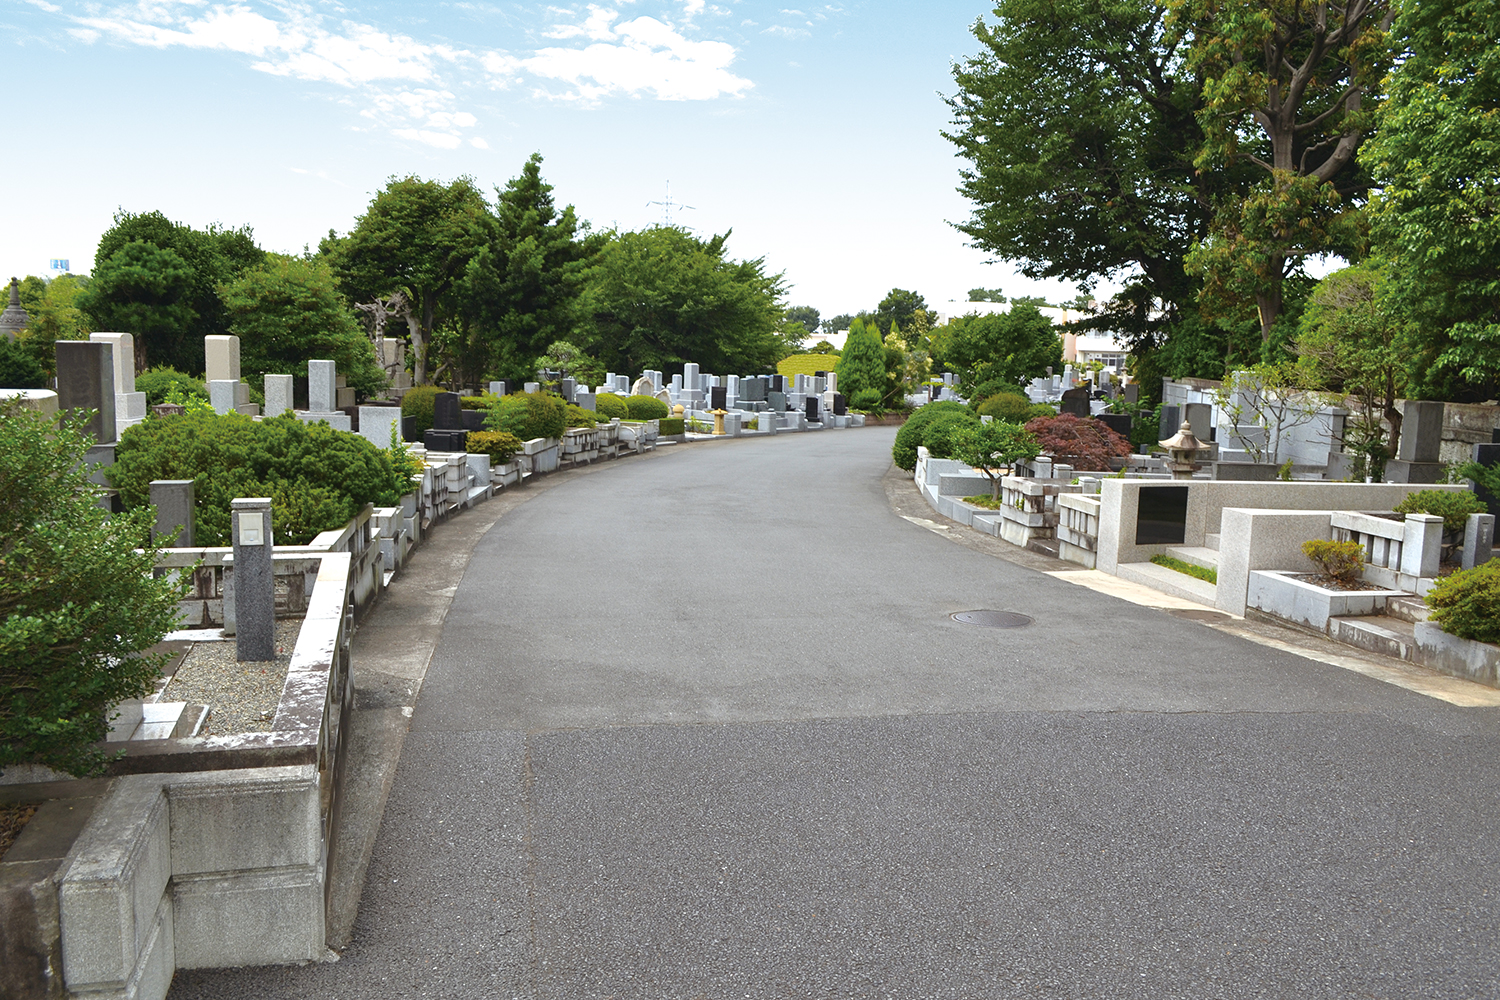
(702, 727)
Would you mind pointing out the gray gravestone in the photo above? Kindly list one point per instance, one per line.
(1479, 540)
(86, 381)
(1132, 393)
(322, 386)
(1200, 416)
(377, 422)
(1421, 431)
(568, 387)
(1171, 422)
(173, 500)
(254, 580)
(776, 400)
(279, 395)
(497, 388)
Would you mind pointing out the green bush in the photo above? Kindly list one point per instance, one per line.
(483, 401)
(528, 415)
(1006, 406)
(670, 426)
(1467, 604)
(499, 445)
(417, 403)
(577, 416)
(609, 406)
(159, 383)
(19, 370)
(909, 437)
(1452, 506)
(646, 408)
(317, 478)
(1187, 568)
(941, 435)
(1341, 560)
(865, 400)
(1487, 477)
(80, 600)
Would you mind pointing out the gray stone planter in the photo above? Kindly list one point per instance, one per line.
(1477, 661)
(1282, 594)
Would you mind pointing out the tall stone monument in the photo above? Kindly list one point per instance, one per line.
(14, 319)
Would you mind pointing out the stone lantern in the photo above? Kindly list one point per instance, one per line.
(14, 319)
(1181, 447)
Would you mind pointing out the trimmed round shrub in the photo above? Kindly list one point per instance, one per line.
(418, 403)
(940, 436)
(909, 437)
(645, 408)
(577, 416)
(988, 388)
(499, 445)
(1006, 406)
(1467, 604)
(528, 415)
(608, 405)
(865, 399)
(1040, 410)
(317, 478)
(483, 401)
(1082, 442)
(159, 383)
(1453, 507)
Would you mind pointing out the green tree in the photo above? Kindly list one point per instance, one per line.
(1289, 87)
(213, 256)
(1079, 125)
(899, 306)
(520, 292)
(807, 316)
(986, 295)
(988, 447)
(571, 361)
(1013, 347)
(18, 369)
(145, 290)
(661, 296)
(1353, 343)
(834, 324)
(861, 365)
(1436, 160)
(416, 237)
(54, 315)
(78, 599)
(288, 310)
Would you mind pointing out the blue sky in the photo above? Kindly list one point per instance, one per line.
(812, 131)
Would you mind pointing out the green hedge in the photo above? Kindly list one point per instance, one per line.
(499, 445)
(646, 407)
(317, 478)
(418, 403)
(577, 416)
(159, 383)
(528, 415)
(1009, 407)
(670, 426)
(609, 406)
(909, 437)
(1452, 506)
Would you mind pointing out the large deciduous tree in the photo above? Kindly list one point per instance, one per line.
(416, 237)
(289, 310)
(1436, 160)
(1289, 87)
(1011, 347)
(661, 296)
(1080, 128)
(899, 307)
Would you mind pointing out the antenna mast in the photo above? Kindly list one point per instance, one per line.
(668, 206)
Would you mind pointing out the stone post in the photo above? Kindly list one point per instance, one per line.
(1422, 545)
(254, 579)
(221, 359)
(173, 500)
(322, 386)
(1479, 540)
(279, 395)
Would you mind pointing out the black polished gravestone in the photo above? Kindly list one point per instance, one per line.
(1161, 516)
(776, 400)
(473, 419)
(1076, 402)
(1117, 422)
(446, 440)
(1487, 455)
(840, 406)
(718, 398)
(778, 383)
(1171, 422)
(812, 409)
(447, 413)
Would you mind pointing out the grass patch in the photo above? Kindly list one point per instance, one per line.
(1201, 572)
(986, 501)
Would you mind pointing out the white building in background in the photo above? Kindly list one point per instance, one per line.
(1077, 348)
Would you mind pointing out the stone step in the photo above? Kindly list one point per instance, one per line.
(1375, 634)
(1407, 609)
(1211, 540)
(1196, 555)
(1169, 581)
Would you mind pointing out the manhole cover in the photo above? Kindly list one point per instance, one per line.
(992, 619)
(1195, 615)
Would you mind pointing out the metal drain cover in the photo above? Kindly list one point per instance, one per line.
(992, 619)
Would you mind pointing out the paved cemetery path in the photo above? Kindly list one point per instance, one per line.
(702, 727)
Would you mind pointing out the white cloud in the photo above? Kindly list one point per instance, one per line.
(479, 143)
(44, 5)
(785, 32)
(442, 140)
(638, 56)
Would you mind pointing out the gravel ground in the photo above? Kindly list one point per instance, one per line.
(241, 697)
